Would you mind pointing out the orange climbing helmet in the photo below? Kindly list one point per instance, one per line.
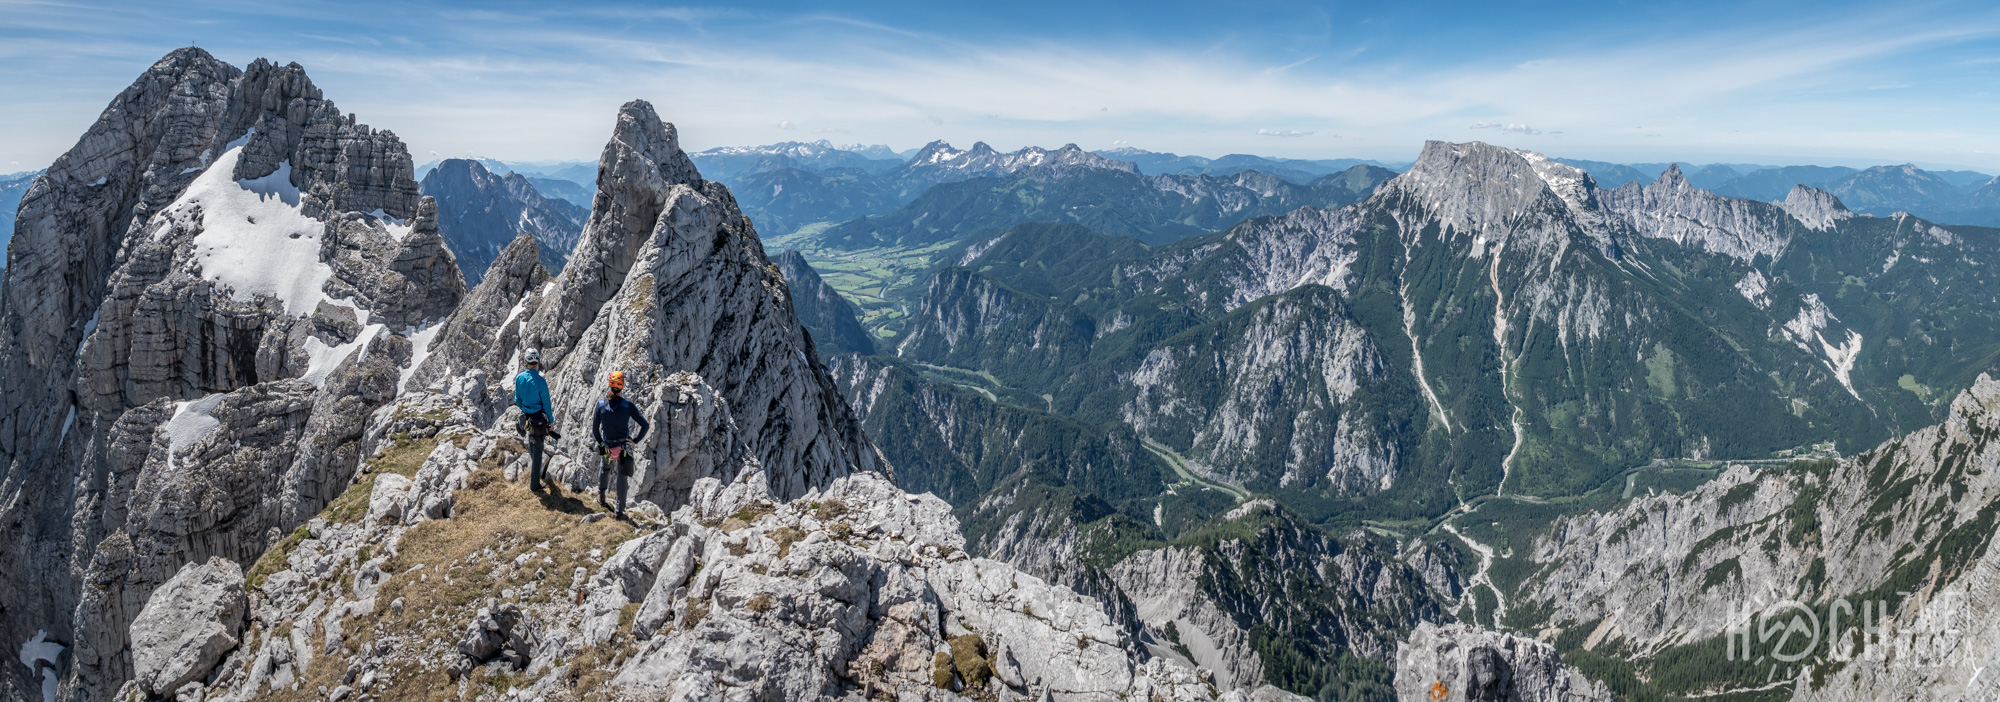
(618, 380)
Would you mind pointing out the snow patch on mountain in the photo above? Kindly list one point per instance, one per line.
(323, 358)
(38, 650)
(420, 349)
(1568, 182)
(191, 421)
(254, 237)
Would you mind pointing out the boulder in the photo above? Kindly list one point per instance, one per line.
(190, 623)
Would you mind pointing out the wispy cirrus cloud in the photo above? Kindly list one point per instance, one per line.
(1509, 127)
(543, 83)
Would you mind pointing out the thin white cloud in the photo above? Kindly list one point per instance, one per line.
(551, 92)
(1511, 127)
(1283, 132)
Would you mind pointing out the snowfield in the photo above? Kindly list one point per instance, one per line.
(254, 239)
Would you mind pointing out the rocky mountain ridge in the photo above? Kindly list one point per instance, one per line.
(1116, 201)
(370, 566)
(1908, 524)
(199, 282)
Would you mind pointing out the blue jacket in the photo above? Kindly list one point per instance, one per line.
(531, 393)
(609, 425)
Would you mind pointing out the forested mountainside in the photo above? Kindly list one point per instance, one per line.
(1651, 322)
(1156, 209)
(1486, 333)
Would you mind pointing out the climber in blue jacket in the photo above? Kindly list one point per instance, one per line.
(531, 394)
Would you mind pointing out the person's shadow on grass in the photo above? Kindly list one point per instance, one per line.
(557, 499)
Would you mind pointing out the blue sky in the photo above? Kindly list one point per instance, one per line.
(1759, 82)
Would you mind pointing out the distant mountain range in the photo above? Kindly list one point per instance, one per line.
(480, 212)
(570, 180)
(796, 184)
(1967, 197)
(730, 162)
(1299, 171)
(1114, 201)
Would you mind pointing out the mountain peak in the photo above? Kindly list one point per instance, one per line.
(1509, 182)
(186, 56)
(1817, 209)
(1672, 178)
(934, 152)
(640, 134)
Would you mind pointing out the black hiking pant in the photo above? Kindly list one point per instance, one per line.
(620, 468)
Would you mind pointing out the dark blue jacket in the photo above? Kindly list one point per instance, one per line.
(609, 424)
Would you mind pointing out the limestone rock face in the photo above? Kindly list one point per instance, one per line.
(1473, 664)
(1165, 586)
(670, 277)
(1483, 190)
(476, 350)
(188, 624)
(1817, 209)
(207, 304)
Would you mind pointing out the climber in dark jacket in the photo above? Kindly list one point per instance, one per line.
(610, 425)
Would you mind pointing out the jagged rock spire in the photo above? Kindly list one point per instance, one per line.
(1672, 178)
(669, 276)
